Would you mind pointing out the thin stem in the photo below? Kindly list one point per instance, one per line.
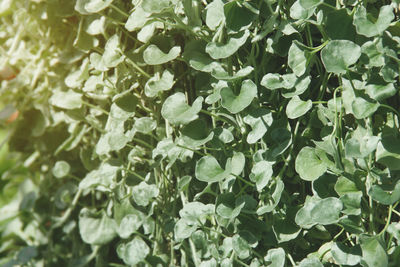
(138, 68)
(123, 13)
(96, 107)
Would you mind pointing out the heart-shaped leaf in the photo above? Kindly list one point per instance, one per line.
(297, 107)
(208, 170)
(276, 81)
(214, 14)
(227, 207)
(152, 55)
(259, 120)
(218, 50)
(373, 253)
(385, 194)
(236, 103)
(368, 28)
(157, 84)
(297, 59)
(96, 229)
(380, 92)
(338, 55)
(261, 174)
(276, 257)
(176, 111)
(345, 255)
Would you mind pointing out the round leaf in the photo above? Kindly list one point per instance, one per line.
(96, 229)
(61, 169)
(133, 252)
(338, 55)
(308, 165)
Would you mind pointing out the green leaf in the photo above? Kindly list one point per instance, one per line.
(297, 59)
(259, 120)
(388, 152)
(307, 4)
(297, 108)
(215, 14)
(352, 203)
(196, 133)
(176, 111)
(274, 198)
(152, 55)
(137, 19)
(198, 59)
(157, 84)
(338, 55)
(319, 211)
(310, 262)
(276, 81)
(221, 74)
(347, 31)
(66, 100)
(298, 12)
(219, 50)
(61, 169)
(227, 207)
(261, 174)
(238, 17)
(361, 144)
(194, 212)
(143, 193)
(184, 229)
(366, 27)
(344, 185)
(385, 194)
(134, 251)
(344, 255)
(380, 92)
(145, 125)
(129, 224)
(102, 178)
(208, 170)
(394, 229)
(373, 253)
(375, 57)
(276, 257)
(308, 165)
(96, 228)
(95, 6)
(241, 247)
(155, 6)
(363, 108)
(236, 103)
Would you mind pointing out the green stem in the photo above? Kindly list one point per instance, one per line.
(123, 13)
(95, 107)
(138, 68)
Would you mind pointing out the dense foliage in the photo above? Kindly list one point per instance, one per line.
(199, 133)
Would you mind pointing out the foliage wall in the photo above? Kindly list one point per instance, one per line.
(199, 133)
